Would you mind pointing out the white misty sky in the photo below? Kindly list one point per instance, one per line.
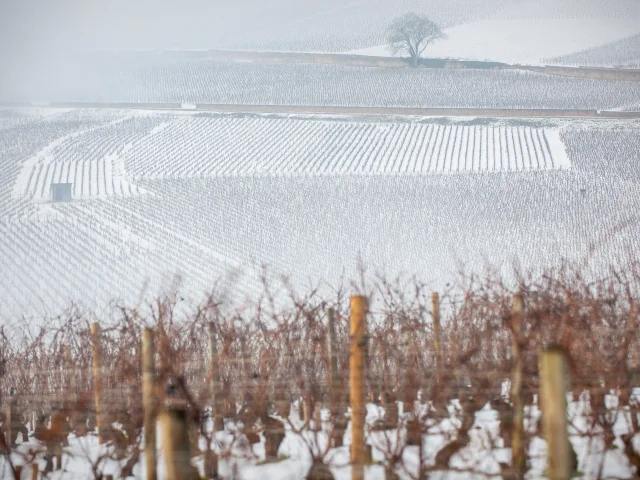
(55, 25)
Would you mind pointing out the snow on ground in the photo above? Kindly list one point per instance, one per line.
(623, 53)
(96, 178)
(212, 81)
(523, 41)
(83, 454)
(100, 166)
(203, 224)
(208, 147)
(37, 111)
(94, 170)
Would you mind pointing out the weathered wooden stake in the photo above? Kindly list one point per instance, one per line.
(335, 395)
(517, 439)
(407, 397)
(210, 464)
(175, 444)
(357, 361)
(437, 345)
(633, 350)
(97, 379)
(211, 459)
(216, 400)
(410, 391)
(149, 403)
(306, 409)
(334, 381)
(245, 359)
(8, 433)
(68, 365)
(317, 417)
(553, 402)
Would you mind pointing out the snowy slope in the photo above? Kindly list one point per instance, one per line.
(523, 41)
(202, 222)
(206, 147)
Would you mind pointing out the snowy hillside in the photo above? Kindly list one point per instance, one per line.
(526, 41)
(219, 196)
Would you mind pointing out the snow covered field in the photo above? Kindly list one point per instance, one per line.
(624, 53)
(524, 41)
(106, 161)
(194, 218)
(158, 79)
(87, 159)
(263, 146)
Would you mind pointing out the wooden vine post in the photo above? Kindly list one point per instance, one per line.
(176, 447)
(410, 390)
(357, 361)
(517, 439)
(216, 400)
(437, 345)
(553, 402)
(97, 379)
(149, 403)
(336, 396)
(70, 371)
(334, 381)
(8, 431)
(211, 459)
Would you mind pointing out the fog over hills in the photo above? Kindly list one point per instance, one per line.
(48, 26)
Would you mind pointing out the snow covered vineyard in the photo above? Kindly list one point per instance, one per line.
(260, 146)
(210, 197)
(207, 81)
(88, 159)
(107, 160)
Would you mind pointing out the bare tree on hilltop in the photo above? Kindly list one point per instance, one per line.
(411, 33)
